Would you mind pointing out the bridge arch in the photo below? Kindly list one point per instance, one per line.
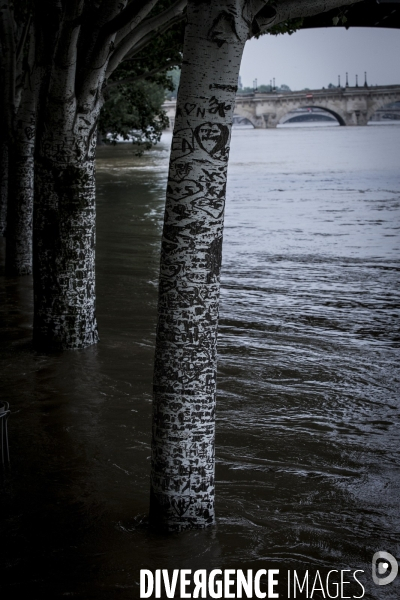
(379, 103)
(246, 111)
(243, 120)
(332, 112)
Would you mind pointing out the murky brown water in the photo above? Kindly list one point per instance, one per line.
(308, 410)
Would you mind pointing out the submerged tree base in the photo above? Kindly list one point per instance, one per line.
(171, 515)
(47, 343)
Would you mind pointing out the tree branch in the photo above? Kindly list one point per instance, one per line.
(152, 26)
(126, 20)
(94, 45)
(151, 35)
(23, 37)
(92, 73)
(293, 9)
(143, 75)
(133, 14)
(25, 64)
(124, 31)
(63, 77)
(9, 62)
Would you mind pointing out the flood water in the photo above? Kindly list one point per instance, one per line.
(307, 446)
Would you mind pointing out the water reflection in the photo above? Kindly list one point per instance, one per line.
(308, 408)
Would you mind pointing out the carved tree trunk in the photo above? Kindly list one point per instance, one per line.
(20, 190)
(19, 88)
(3, 185)
(64, 231)
(64, 214)
(182, 476)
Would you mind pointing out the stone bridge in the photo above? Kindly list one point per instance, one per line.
(349, 105)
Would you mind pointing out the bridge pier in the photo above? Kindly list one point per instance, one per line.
(357, 117)
(259, 122)
(262, 121)
(265, 121)
(270, 120)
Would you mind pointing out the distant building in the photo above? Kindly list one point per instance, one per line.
(240, 84)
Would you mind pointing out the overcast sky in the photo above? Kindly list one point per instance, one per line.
(313, 58)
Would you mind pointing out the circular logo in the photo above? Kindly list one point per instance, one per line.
(384, 568)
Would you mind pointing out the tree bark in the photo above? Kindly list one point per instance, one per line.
(64, 235)
(21, 108)
(7, 101)
(64, 200)
(20, 190)
(182, 475)
(3, 185)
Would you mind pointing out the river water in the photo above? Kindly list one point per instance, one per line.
(307, 444)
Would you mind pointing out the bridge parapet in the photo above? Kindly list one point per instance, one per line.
(349, 105)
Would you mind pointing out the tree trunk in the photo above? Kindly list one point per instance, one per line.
(20, 191)
(182, 476)
(64, 234)
(21, 143)
(3, 185)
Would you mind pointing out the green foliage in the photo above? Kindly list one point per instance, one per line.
(133, 112)
(246, 90)
(340, 18)
(174, 76)
(136, 91)
(289, 26)
(265, 89)
(163, 53)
